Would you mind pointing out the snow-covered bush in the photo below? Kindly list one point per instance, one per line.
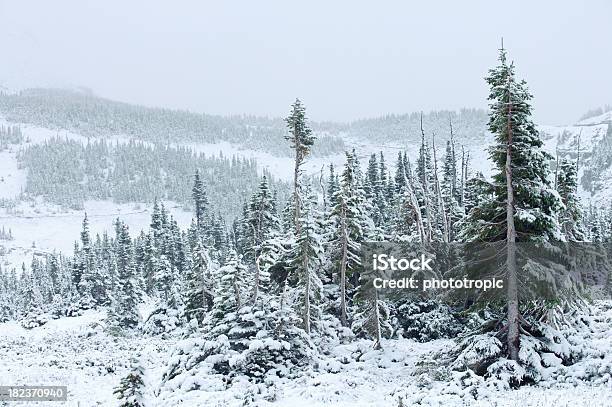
(477, 352)
(163, 320)
(505, 373)
(61, 307)
(256, 341)
(130, 389)
(330, 333)
(426, 320)
(542, 350)
(34, 319)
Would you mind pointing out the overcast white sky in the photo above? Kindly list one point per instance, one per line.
(345, 59)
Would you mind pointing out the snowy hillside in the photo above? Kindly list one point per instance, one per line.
(590, 136)
(588, 141)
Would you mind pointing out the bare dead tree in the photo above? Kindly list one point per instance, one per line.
(441, 207)
(426, 184)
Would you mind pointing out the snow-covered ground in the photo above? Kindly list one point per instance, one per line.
(79, 353)
(74, 352)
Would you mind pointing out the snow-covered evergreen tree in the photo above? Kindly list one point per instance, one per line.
(571, 215)
(306, 260)
(200, 201)
(124, 308)
(130, 390)
(351, 226)
(199, 289)
(519, 204)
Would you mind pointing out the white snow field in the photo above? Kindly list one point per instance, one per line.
(77, 352)
(41, 228)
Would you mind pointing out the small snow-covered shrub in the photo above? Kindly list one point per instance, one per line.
(34, 319)
(329, 333)
(427, 320)
(255, 342)
(506, 374)
(477, 352)
(131, 388)
(163, 320)
(71, 310)
(542, 351)
(61, 307)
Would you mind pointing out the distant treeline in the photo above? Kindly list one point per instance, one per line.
(68, 172)
(92, 116)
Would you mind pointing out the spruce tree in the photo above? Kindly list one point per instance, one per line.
(124, 309)
(261, 221)
(199, 285)
(306, 260)
(130, 388)
(301, 140)
(519, 204)
(571, 215)
(454, 212)
(351, 226)
(200, 201)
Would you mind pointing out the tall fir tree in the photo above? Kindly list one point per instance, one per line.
(301, 141)
(519, 205)
(124, 308)
(200, 201)
(571, 215)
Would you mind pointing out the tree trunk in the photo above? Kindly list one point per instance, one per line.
(343, 313)
(413, 202)
(377, 334)
(442, 209)
(512, 278)
(306, 294)
(426, 184)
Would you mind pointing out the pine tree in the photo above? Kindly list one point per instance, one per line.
(164, 278)
(130, 388)
(333, 186)
(90, 286)
(230, 292)
(372, 177)
(200, 200)
(199, 290)
(571, 215)
(520, 192)
(476, 189)
(301, 139)
(351, 225)
(261, 221)
(156, 223)
(306, 261)
(124, 311)
(454, 212)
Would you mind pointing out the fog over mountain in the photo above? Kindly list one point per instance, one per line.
(347, 60)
